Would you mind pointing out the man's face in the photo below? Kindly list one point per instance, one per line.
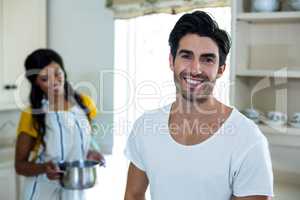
(196, 67)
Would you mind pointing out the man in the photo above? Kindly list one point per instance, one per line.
(197, 148)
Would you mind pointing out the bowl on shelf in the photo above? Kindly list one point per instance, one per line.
(294, 4)
(272, 123)
(264, 5)
(252, 114)
(295, 120)
(294, 125)
(275, 119)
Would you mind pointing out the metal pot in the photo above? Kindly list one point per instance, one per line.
(79, 175)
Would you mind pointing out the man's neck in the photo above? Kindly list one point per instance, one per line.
(187, 107)
(193, 122)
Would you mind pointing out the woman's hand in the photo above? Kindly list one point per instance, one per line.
(95, 155)
(52, 171)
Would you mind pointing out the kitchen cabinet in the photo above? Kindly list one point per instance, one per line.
(7, 174)
(265, 66)
(7, 181)
(22, 30)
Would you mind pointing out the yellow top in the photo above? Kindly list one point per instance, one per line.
(26, 121)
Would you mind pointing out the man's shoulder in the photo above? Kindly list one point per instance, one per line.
(242, 120)
(152, 121)
(246, 131)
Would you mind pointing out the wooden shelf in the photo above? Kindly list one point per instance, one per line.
(285, 177)
(268, 73)
(285, 130)
(260, 17)
(285, 137)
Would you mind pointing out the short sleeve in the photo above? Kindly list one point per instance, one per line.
(91, 106)
(26, 124)
(254, 175)
(133, 150)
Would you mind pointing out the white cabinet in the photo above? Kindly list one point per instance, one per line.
(22, 30)
(7, 181)
(7, 174)
(265, 75)
(266, 65)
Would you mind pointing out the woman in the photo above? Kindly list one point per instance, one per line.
(56, 127)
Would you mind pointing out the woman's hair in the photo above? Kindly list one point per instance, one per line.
(202, 24)
(34, 63)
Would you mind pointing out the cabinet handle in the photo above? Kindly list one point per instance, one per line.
(10, 87)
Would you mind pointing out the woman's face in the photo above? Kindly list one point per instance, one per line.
(51, 80)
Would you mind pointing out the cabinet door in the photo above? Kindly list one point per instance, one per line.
(7, 181)
(23, 30)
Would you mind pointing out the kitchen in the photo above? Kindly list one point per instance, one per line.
(75, 28)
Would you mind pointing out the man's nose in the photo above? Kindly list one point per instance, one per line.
(196, 66)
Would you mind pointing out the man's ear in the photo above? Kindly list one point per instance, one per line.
(221, 70)
(171, 62)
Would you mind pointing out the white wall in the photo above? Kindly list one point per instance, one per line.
(8, 123)
(83, 33)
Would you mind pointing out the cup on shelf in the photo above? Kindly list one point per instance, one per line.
(295, 120)
(294, 4)
(276, 118)
(252, 114)
(265, 5)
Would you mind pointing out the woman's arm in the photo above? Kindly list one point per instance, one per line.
(24, 145)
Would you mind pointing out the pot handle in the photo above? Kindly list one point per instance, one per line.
(62, 167)
(102, 163)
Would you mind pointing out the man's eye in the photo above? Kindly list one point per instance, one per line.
(209, 60)
(186, 56)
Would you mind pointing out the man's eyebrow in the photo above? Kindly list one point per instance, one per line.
(185, 51)
(208, 55)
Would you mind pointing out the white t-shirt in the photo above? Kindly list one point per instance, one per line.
(234, 161)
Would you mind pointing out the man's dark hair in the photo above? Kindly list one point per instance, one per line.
(202, 24)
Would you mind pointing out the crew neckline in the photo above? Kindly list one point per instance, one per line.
(203, 143)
